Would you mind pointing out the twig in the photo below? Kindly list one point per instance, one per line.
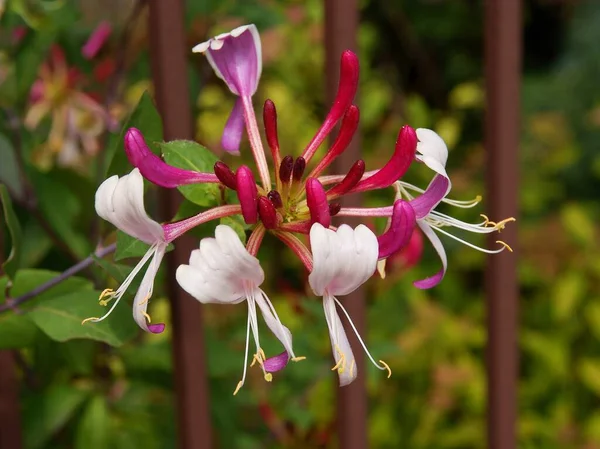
(12, 303)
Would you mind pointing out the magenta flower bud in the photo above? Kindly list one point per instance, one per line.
(401, 228)
(404, 154)
(285, 169)
(154, 169)
(236, 58)
(334, 209)
(247, 194)
(344, 137)
(96, 40)
(299, 167)
(275, 198)
(225, 175)
(316, 200)
(267, 213)
(350, 180)
(270, 121)
(349, 70)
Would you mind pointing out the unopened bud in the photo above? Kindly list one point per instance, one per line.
(275, 198)
(270, 121)
(299, 167)
(334, 209)
(285, 169)
(267, 213)
(225, 175)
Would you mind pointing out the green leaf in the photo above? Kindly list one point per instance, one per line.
(46, 413)
(11, 264)
(146, 118)
(9, 169)
(16, 331)
(93, 431)
(193, 156)
(128, 246)
(61, 319)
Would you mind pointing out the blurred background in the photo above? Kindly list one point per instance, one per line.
(421, 64)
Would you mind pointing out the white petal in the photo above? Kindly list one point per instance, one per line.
(221, 270)
(269, 314)
(142, 297)
(342, 260)
(121, 202)
(433, 149)
(339, 343)
(201, 47)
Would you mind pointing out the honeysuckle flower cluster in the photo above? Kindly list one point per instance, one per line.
(294, 203)
(77, 119)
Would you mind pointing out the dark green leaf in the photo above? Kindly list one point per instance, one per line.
(9, 168)
(61, 319)
(128, 246)
(46, 413)
(93, 431)
(11, 264)
(193, 156)
(16, 331)
(146, 118)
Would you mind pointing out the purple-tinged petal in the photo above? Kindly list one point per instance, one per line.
(434, 280)
(234, 128)
(276, 363)
(400, 230)
(404, 154)
(316, 200)
(154, 169)
(157, 328)
(96, 40)
(349, 70)
(247, 194)
(236, 58)
(436, 191)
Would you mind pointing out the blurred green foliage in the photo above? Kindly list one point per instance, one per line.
(422, 64)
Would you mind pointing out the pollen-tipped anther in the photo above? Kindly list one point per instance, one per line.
(225, 175)
(247, 194)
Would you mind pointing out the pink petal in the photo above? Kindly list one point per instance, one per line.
(234, 128)
(157, 328)
(352, 178)
(436, 191)
(400, 230)
(276, 363)
(434, 280)
(154, 169)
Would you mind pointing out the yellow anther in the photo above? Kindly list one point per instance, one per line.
(341, 362)
(387, 367)
(298, 359)
(92, 318)
(478, 199)
(144, 301)
(352, 368)
(257, 358)
(488, 222)
(500, 225)
(268, 377)
(239, 385)
(381, 267)
(505, 245)
(107, 293)
(262, 353)
(147, 317)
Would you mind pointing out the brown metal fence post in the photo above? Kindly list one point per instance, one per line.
(341, 26)
(167, 32)
(10, 411)
(503, 41)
